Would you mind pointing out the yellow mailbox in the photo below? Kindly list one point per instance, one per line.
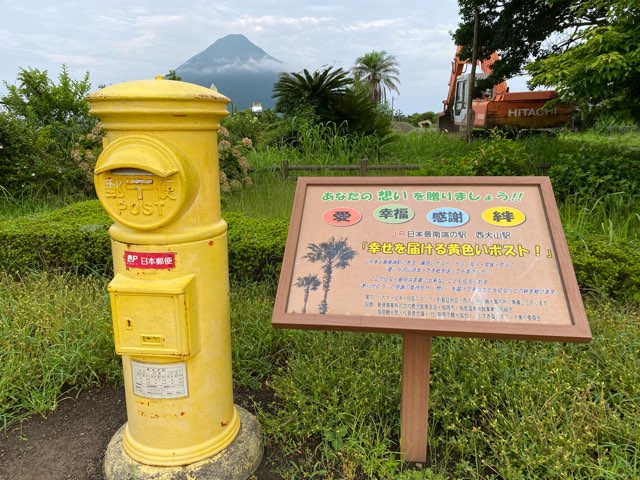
(157, 177)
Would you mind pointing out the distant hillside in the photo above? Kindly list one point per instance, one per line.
(239, 69)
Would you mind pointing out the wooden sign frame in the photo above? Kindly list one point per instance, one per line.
(456, 204)
(575, 329)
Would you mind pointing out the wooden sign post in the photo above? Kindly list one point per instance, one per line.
(416, 364)
(424, 256)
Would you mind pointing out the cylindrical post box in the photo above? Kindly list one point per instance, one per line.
(157, 177)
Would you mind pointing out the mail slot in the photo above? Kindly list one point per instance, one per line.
(142, 181)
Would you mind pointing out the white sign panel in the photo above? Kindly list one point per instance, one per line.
(159, 380)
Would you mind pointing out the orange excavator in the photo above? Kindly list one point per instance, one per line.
(497, 108)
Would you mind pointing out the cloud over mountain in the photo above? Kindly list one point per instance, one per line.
(239, 69)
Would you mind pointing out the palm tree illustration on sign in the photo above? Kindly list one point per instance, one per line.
(333, 254)
(309, 283)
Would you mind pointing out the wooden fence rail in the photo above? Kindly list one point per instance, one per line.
(363, 167)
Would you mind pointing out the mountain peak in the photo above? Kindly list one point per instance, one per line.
(237, 43)
(233, 52)
(240, 70)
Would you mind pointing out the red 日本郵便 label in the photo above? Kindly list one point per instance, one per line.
(150, 260)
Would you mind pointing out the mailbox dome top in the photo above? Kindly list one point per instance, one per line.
(157, 89)
(158, 105)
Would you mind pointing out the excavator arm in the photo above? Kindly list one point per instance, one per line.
(457, 68)
(445, 118)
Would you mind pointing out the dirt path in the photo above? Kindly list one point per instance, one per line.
(70, 443)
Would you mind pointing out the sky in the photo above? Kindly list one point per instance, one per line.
(117, 41)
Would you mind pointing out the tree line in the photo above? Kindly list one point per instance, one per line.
(587, 50)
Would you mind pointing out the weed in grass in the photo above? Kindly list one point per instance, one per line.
(424, 147)
(55, 336)
(271, 196)
(616, 216)
(498, 409)
(326, 144)
(341, 392)
(536, 410)
(319, 145)
(622, 138)
(257, 349)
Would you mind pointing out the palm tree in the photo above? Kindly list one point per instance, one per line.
(333, 254)
(309, 283)
(379, 71)
(317, 89)
(172, 75)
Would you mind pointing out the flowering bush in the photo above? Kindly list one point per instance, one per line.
(45, 130)
(234, 166)
(86, 151)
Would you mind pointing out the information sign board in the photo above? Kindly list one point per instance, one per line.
(454, 256)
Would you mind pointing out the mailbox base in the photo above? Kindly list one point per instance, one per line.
(236, 462)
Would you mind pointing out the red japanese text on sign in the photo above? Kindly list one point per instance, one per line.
(150, 260)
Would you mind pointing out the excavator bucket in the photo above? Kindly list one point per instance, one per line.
(444, 123)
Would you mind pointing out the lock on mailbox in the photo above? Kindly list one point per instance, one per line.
(166, 326)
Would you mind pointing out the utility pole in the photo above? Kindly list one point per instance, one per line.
(472, 80)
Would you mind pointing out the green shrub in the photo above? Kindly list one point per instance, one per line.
(234, 166)
(445, 167)
(256, 246)
(47, 142)
(17, 151)
(590, 172)
(71, 238)
(258, 127)
(32, 161)
(443, 155)
(609, 269)
(500, 157)
(75, 238)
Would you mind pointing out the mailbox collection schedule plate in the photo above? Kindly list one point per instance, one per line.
(454, 256)
(159, 380)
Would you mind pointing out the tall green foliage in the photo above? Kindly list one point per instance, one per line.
(317, 90)
(601, 69)
(37, 99)
(47, 137)
(516, 29)
(379, 72)
(330, 96)
(587, 49)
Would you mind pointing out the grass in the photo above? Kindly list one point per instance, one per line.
(55, 337)
(616, 216)
(271, 198)
(257, 349)
(425, 146)
(498, 409)
(537, 410)
(30, 202)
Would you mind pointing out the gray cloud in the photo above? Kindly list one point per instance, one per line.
(123, 40)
